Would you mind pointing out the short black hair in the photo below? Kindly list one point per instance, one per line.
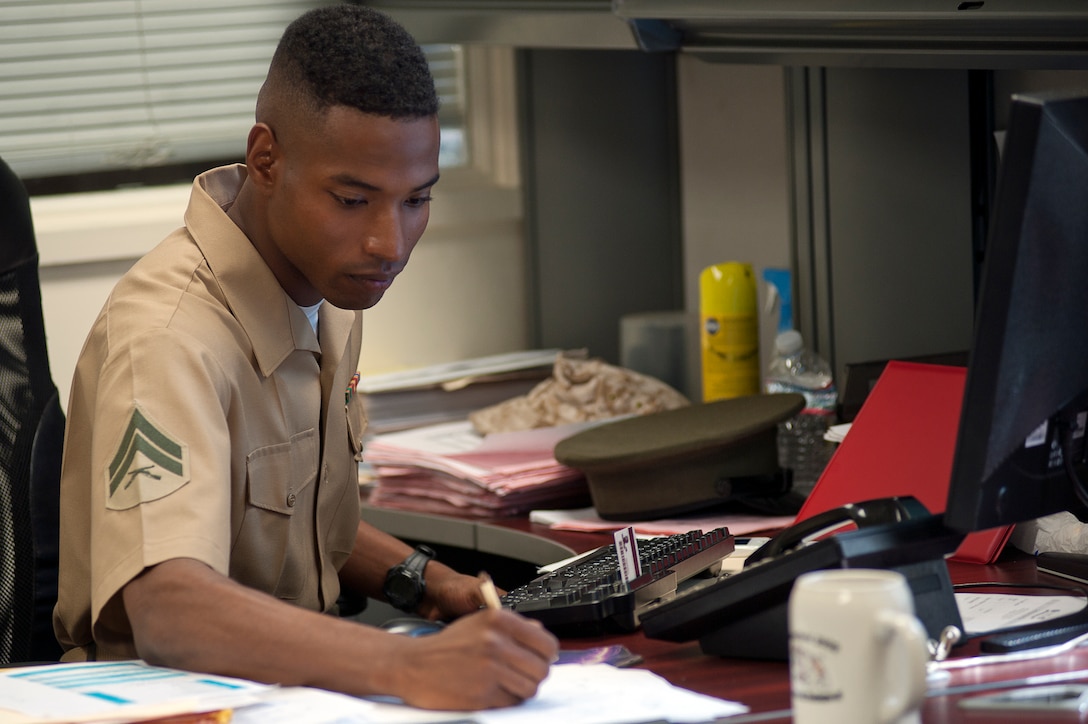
(350, 55)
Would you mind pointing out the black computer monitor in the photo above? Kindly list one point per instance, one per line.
(1020, 450)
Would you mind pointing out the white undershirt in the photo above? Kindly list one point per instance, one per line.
(311, 313)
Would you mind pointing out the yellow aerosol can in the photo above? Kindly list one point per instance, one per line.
(729, 331)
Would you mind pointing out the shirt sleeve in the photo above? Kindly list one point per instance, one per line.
(160, 465)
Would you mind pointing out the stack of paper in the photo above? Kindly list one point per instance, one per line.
(449, 468)
(450, 391)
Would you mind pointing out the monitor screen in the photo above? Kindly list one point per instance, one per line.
(1020, 449)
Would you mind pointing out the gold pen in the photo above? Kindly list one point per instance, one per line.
(487, 588)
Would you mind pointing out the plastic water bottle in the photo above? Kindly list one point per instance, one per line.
(801, 444)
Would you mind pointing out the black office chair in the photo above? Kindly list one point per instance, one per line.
(31, 439)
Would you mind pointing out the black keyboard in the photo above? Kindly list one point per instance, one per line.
(588, 595)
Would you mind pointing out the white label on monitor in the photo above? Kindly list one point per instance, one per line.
(1037, 437)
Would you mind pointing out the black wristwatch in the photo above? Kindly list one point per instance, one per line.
(404, 585)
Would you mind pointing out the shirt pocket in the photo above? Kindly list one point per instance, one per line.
(274, 551)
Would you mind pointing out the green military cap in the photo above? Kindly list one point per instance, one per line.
(675, 461)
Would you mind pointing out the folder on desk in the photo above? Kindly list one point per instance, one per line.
(902, 443)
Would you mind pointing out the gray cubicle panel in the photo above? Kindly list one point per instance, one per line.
(884, 230)
(890, 223)
(602, 192)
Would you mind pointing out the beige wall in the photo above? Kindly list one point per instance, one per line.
(734, 172)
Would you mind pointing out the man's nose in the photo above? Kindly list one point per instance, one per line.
(385, 238)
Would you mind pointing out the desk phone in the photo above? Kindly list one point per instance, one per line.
(744, 615)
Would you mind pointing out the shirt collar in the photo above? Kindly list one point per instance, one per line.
(276, 326)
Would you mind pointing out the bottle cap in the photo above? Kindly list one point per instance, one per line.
(788, 342)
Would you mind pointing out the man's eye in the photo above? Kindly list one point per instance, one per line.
(419, 201)
(349, 201)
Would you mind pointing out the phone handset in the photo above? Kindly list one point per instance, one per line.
(866, 513)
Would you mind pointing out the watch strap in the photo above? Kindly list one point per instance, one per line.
(410, 572)
(417, 560)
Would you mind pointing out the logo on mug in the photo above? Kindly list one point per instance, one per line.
(811, 668)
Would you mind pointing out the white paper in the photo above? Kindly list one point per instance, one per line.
(586, 694)
(572, 694)
(116, 691)
(984, 612)
(603, 694)
(837, 433)
(587, 520)
(461, 369)
(298, 705)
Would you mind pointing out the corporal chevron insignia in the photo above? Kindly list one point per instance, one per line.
(149, 464)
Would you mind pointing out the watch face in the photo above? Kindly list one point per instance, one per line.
(404, 585)
(403, 590)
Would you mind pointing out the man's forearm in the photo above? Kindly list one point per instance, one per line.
(185, 615)
(374, 554)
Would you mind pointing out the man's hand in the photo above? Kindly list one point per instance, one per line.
(485, 660)
(450, 594)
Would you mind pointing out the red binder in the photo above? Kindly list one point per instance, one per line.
(901, 443)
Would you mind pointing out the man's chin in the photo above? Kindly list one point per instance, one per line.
(354, 303)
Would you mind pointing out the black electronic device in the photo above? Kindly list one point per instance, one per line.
(744, 615)
(1072, 566)
(588, 595)
(1020, 450)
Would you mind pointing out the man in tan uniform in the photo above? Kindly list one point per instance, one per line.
(210, 509)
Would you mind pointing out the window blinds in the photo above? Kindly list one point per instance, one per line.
(92, 85)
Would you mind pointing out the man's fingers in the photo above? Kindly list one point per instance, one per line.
(529, 634)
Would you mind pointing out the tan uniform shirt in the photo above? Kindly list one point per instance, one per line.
(195, 427)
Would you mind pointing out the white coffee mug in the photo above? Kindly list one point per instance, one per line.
(857, 651)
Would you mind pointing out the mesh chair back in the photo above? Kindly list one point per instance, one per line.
(31, 432)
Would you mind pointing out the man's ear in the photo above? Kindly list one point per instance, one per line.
(262, 152)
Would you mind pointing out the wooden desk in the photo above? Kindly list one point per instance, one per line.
(761, 685)
(764, 685)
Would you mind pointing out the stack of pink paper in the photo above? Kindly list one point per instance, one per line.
(449, 468)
